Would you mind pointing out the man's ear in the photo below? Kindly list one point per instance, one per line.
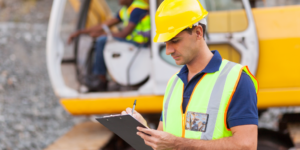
(199, 32)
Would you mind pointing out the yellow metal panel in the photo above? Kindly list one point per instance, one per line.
(277, 22)
(223, 49)
(92, 19)
(278, 71)
(279, 46)
(103, 10)
(235, 56)
(153, 104)
(218, 22)
(238, 20)
(227, 21)
(75, 4)
(278, 97)
(279, 63)
(145, 104)
(227, 52)
(98, 13)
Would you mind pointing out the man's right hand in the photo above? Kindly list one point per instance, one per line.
(136, 115)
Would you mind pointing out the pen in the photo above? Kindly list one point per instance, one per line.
(133, 106)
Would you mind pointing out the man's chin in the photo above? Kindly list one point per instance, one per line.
(179, 63)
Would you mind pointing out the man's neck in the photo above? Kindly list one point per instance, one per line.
(200, 61)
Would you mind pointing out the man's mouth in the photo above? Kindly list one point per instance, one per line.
(175, 57)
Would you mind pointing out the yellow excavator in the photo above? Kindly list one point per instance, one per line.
(263, 34)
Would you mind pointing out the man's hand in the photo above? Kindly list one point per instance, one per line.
(136, 115)
(73, 36)
(158, 140)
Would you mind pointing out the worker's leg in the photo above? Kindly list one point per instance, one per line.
(99, 67)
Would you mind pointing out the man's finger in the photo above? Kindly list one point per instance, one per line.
(123, 113)
(134, 115)
(128, 110)
(150, 144)
(146, 137)
(145, 130)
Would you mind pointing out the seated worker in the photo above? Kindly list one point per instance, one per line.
(135, 17)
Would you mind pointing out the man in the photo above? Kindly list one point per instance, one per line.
(136, 21)
(220, 92)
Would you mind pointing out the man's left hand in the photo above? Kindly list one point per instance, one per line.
(158, 140)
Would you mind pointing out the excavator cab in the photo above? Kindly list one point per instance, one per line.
(139, 72)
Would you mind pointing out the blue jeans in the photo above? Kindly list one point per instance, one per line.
(99, 67)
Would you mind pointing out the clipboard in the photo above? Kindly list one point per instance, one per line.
(125, 126)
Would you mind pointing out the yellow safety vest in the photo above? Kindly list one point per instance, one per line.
(141, 33)
(205, 116)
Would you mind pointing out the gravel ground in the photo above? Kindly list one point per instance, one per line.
(30, 115)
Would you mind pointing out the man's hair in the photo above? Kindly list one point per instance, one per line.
(190, 30)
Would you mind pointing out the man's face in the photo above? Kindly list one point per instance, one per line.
(182, 47)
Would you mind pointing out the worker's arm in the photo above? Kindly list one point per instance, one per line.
(126, 31)
(243, 137)
(95, 30)
(98, 27)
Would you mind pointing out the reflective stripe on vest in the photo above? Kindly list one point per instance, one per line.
(141, 33)
(211, 95)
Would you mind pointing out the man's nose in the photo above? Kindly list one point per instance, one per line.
(169, 49)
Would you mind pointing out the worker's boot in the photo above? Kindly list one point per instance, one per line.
(96, 83)
(102, 86)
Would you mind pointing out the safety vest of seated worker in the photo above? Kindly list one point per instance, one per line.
(205, 116)
(141, 33)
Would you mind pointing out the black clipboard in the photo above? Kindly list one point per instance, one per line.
(125, 126)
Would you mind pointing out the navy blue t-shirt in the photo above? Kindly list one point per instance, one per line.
(136, 15)
(243, 107)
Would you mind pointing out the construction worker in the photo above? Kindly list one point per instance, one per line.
(221, 93)
(135, 17)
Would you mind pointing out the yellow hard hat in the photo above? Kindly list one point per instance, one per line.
(173, 16)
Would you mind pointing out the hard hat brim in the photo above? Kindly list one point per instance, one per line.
(164, 37)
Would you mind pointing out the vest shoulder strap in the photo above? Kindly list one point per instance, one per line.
(135, 4)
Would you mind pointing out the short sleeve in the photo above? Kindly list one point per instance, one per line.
(137, 15)
(243, 106)
(118, 15)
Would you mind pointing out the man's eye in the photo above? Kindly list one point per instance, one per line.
(175, 41)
